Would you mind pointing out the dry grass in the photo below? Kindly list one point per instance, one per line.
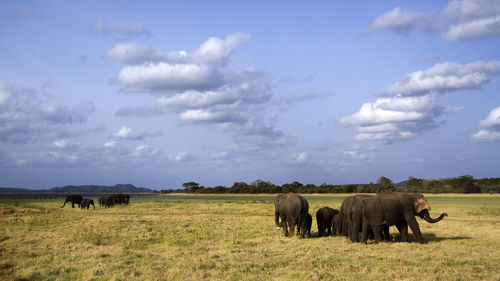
(234, 238)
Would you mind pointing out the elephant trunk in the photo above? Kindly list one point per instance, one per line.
(277, 219)
(64, 204)
(425, 215)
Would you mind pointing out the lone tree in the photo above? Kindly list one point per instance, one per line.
(384, 184)
(191, 186)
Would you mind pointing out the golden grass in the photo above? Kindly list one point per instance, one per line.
(234, 238)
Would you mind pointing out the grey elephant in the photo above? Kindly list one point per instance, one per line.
(352, 211)
(399, 209)
(74, 199)
(308, 225)
(86, 203)
(292, 209)
(337, 224)
(324, 217)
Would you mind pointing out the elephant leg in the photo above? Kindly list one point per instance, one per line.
(285, 227)
(365, 229)
(387, 236)
(355, 230)
(329, 229)
(403, 230)
(377, 231)
(416, 229)
(291, 226)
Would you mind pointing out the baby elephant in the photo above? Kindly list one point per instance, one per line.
(86, 203)
(308, 225)
(324, 218)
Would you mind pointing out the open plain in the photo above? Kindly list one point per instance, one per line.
(233, 237)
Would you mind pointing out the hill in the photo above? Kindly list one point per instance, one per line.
(117, 188)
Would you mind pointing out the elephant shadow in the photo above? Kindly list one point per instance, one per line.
(429, 237)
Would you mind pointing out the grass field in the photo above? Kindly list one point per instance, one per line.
(233, 237)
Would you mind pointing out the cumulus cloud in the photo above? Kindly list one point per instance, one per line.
(490, 128)
(466, 19)
(126, 133)
(27, 115)
(200, 86)
(402, 21)
(410, 106)
(445, 77)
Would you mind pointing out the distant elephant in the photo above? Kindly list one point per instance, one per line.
(308, 225)
(399, 209)
(102, 201)
(324, 218)
(292, 209)
(86, 203)
(74, 199)
(113, 199)
(337, 224)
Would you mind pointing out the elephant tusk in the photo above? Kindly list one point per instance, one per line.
(278, 228)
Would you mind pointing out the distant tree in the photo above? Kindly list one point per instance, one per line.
(384, 184)
(192, 186)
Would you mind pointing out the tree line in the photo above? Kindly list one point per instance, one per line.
(462, 184)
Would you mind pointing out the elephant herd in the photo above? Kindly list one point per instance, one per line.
(104, 201)
(360, 216)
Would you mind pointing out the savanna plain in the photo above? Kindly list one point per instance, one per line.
(233, 237)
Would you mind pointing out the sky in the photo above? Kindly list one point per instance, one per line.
(158, 93)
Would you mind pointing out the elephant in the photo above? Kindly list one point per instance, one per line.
(74, 199)
(399, 209)
(308, 225)
(324, 218)
(353, 218)
(86, 203)
(337, 224)
(113, 199)
(292, 209)
(102, 201)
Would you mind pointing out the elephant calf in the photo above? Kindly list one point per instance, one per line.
(308, 225)
(324, 217)
(86, 203)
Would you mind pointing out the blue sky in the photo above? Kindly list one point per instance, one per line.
(160, 93)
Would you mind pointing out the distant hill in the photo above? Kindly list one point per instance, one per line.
(118, 188)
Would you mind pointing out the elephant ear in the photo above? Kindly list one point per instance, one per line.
(421, 204)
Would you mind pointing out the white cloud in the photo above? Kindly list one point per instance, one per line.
(126, 133)
(163, 76)
(466, 19)
(201, 88)
(299, 158)
(466, 155)
(402, 21)
(180, 156)
(490, 128)
(410, 106)
(110, 144)
(445, 77)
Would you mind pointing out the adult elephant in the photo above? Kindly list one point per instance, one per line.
(324, 217)
(86, 203)
(292, 209)
(353, 218)
(74, 199)
(399, 209)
